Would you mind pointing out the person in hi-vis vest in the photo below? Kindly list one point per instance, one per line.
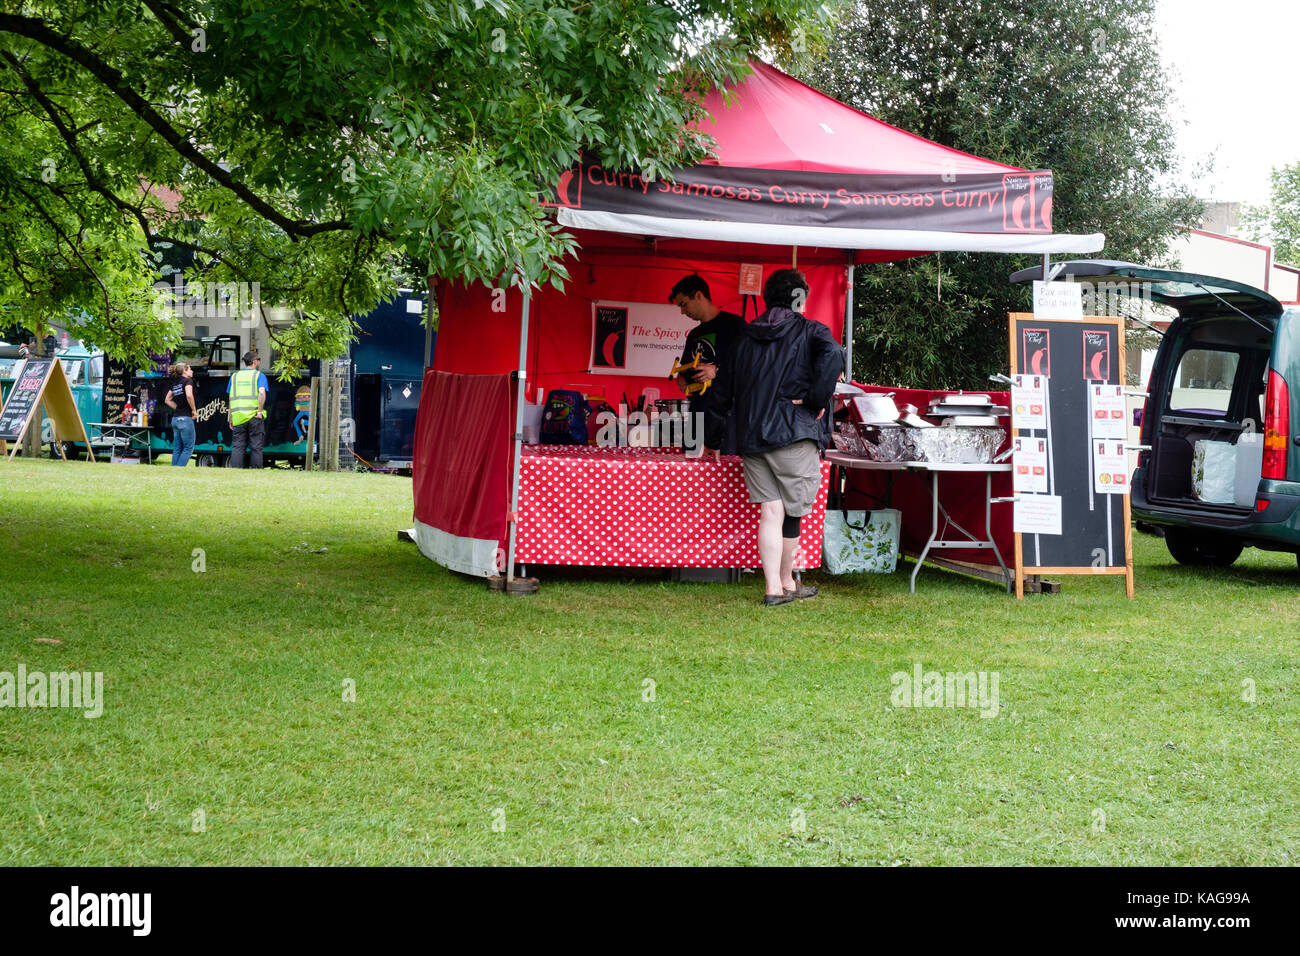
(247, 415)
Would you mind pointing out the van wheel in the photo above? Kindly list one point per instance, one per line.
(207, 461)
(1201, 548)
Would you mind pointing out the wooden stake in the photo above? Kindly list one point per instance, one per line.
(310, 440)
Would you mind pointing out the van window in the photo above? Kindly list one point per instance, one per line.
(72, 367)
(97, 370)
(1203, 382)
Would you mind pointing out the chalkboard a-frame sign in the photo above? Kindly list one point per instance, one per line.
(1072, 357)
(42, 381)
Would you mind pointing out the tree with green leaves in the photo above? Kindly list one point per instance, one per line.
(1074, 86)
(315, 147)
(1278, 222)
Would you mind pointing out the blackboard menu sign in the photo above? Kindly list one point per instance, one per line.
(117, 383)
(23, 398)
(1069, 431)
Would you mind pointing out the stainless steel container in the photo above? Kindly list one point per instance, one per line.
(874, 408)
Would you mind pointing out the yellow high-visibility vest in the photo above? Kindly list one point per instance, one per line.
(243, 395)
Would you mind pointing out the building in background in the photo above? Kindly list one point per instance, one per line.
(1213, 247)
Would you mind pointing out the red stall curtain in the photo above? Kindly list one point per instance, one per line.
(461, 471)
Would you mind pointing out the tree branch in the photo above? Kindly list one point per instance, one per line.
(58, 231)
(113, 80)
(166, 15)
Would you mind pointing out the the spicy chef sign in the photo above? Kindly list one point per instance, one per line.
(637, 338)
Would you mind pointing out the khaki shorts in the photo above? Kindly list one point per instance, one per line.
(791, 474)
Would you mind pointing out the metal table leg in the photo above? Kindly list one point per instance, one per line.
(934, 529)
(973, 543)
(988, 527)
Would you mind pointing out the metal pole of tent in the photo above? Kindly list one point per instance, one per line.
(1047, 262)
(521, 393)
(848, 328)
(429, 300)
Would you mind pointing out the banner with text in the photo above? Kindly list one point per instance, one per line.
(1010, 202)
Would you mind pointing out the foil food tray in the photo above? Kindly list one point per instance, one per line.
(955, 444)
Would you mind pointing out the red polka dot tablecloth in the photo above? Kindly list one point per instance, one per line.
(644, 508)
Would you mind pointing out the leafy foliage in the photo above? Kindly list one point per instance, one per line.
(318, 143)
(1279, 221)
(1074, 86)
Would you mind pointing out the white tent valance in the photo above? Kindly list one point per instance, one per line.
(902, 240)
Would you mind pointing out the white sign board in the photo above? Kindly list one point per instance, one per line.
(1106, 407)
(636, 338)
(1029, 465)
(1058, 300)
(1029, 401)
(1037, 514)
(1109, 467)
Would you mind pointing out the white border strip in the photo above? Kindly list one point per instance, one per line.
(903, 240)
(475, 556)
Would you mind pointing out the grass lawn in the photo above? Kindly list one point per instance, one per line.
(1122, 736)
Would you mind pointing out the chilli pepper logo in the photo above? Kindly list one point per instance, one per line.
(1037, 352)
(1096, 355)
(610, 338)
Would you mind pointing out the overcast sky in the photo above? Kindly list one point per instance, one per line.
(1235, 67)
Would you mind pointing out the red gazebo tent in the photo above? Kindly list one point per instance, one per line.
(797, 177)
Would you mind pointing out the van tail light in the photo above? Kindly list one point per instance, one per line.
(1277, 426)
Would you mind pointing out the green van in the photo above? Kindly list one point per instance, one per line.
(1219, 468)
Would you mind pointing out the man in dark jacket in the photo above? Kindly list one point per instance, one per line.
(777, 389)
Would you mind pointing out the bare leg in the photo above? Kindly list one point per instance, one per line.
(771, 514)
(789, 548)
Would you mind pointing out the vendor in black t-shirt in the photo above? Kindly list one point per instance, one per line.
(711, 340)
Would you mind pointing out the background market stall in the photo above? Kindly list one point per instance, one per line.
(798, 179)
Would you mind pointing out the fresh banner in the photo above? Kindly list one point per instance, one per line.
(1011, 202)
(637, 338)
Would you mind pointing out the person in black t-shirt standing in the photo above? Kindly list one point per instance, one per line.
(180, 399)
(711, 340)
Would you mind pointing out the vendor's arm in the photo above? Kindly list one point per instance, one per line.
(167, 400)
(189, 397)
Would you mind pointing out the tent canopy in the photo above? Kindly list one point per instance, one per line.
(795, 167)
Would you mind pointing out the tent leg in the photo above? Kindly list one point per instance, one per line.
(1047, 263)
(521, 395)
(848, 328)
(428, 326)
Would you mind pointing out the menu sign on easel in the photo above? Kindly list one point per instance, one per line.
(23, 398)
(42, 382)
(117, 383)
(1071, 513)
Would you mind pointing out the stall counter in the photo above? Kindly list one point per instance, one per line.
(644, 507)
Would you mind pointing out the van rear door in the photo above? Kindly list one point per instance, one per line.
(1208, 381)
(1210, 386)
